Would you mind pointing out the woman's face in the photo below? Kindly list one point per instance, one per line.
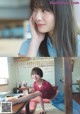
(45, 20)
(36, 77)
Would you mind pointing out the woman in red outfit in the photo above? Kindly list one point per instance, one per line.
(42, 89)
(42, 85)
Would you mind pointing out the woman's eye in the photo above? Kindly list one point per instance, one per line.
(34, 10)
(43, 10)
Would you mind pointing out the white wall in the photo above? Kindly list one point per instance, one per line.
(59, 73)
(12, 72)
(77, 12)
(76, 72)
(14, 9)
(14, 13)
(23, 72)
(76, 69)
(13, 3)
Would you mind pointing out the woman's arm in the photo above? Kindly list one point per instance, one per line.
(33, 48)
(42, 104)
(28, 97)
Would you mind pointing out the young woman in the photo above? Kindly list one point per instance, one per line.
(44, 89)
(53, 30)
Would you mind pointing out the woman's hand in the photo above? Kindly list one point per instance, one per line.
(36, 35)
(36, 40)
(42, 112)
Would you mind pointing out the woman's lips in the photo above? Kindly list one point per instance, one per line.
(40, 25)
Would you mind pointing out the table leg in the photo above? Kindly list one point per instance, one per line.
(27, 109)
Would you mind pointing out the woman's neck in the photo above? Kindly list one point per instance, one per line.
(40, 82)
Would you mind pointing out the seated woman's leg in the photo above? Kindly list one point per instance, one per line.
(75, 111)
(58, 101)
(60, 106)
(76, 106)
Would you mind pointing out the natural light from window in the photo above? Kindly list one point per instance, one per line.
(4, 67)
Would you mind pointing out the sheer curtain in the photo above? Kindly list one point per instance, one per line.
(4, 74)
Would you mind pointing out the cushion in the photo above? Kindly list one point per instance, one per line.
(32, 106)
(36, 100)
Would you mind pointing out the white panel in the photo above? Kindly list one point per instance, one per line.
(77, 11)
(24, 70)
(8, 3)
(23, 2)
(3, 81)
(13, 3)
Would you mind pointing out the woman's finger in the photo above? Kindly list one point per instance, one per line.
(42, 112)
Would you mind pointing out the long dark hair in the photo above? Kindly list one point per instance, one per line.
(65, 30)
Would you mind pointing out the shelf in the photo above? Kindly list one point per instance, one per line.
(20, 59)
(11, 22)
(11, 28)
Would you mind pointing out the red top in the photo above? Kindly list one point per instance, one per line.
(46, 89)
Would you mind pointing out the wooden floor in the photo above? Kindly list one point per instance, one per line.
(49, 109)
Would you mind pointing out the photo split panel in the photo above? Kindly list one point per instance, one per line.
(22, 60)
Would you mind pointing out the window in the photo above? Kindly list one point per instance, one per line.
(4, 74)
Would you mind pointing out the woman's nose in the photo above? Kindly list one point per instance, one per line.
(38, 16)
(34, 75)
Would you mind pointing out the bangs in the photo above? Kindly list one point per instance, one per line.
(34, 72)
(42, 4)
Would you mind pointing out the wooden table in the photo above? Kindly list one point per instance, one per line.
(18, 107)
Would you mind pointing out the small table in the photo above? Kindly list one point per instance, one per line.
(16, 109)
